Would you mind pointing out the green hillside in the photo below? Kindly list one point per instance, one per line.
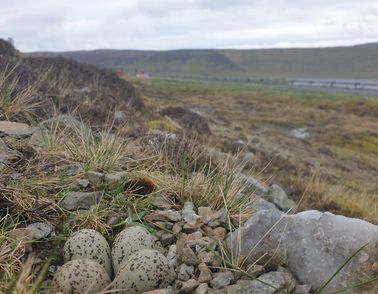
(357, 62)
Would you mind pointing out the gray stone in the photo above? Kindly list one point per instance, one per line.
(162, 202)
(167, 239)
(221, 280)
(15, 130)
(278, 196)
(40, 230)
(171, 214)
(80, 200)
(302, 289)
(261, 204)
(205, 213)
(172, 256)
(188, 213)
(83, 183)
(188, 286)
(185, 272)
(94, 177)
(253, 185)
(205, 275)
(201, 289)
(317, 244)
(114, 179)
(217, 291)
(269, 283)
(189, 257)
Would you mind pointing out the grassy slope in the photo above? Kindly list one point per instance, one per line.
(345, 180)
(359, 62)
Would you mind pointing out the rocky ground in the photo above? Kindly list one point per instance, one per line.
(112, 205)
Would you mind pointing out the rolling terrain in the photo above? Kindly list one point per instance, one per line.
(355, 62)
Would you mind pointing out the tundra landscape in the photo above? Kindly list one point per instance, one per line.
(188, 171)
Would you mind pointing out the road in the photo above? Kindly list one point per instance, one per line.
(351, 87)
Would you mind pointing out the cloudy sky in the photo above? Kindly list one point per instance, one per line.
(41, 25)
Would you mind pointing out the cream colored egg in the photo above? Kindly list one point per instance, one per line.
(89, 244)
(143, 271)
(80, 276)
(128, 241)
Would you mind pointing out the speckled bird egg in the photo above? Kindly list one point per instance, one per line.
(143, 271)
(89, 244)
(80, 276)
(128, 241)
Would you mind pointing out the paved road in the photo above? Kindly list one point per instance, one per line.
(316, 86)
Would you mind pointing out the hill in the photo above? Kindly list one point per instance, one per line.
(62, 85)
(355, 62)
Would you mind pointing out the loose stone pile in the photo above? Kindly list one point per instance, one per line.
(185, 256)
(192, 239)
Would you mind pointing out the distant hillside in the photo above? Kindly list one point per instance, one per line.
(355, 62)
(65, 85)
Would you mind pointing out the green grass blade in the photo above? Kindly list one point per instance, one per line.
(367, 282)
(339, 270)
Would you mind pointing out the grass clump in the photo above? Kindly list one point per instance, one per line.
(103, 151)
(220, 187)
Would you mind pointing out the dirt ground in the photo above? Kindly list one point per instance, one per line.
(320, 145)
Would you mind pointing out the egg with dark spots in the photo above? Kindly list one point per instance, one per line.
(144, 270)
(80, 276)
(89, 244)
(128, 241)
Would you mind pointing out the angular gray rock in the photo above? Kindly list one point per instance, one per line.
(15, 129)
(95, 178)
(201, 289)
(40, 230)
(221, 280)
(317, 244)
(80, 200)
(188, 213)
(261, 204)
(278, 196)
(269, 283)
(114, 179)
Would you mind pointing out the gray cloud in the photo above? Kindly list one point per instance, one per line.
(170, 24)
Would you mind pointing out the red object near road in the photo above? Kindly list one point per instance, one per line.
(120, 73)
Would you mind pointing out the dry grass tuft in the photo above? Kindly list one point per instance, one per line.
(103, 151)
(18, 102)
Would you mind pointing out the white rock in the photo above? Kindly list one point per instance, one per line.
(317, 244)
(40, 230)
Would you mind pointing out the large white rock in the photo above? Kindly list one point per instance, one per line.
(316, 243)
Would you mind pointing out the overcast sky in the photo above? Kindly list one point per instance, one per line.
(47, 25)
